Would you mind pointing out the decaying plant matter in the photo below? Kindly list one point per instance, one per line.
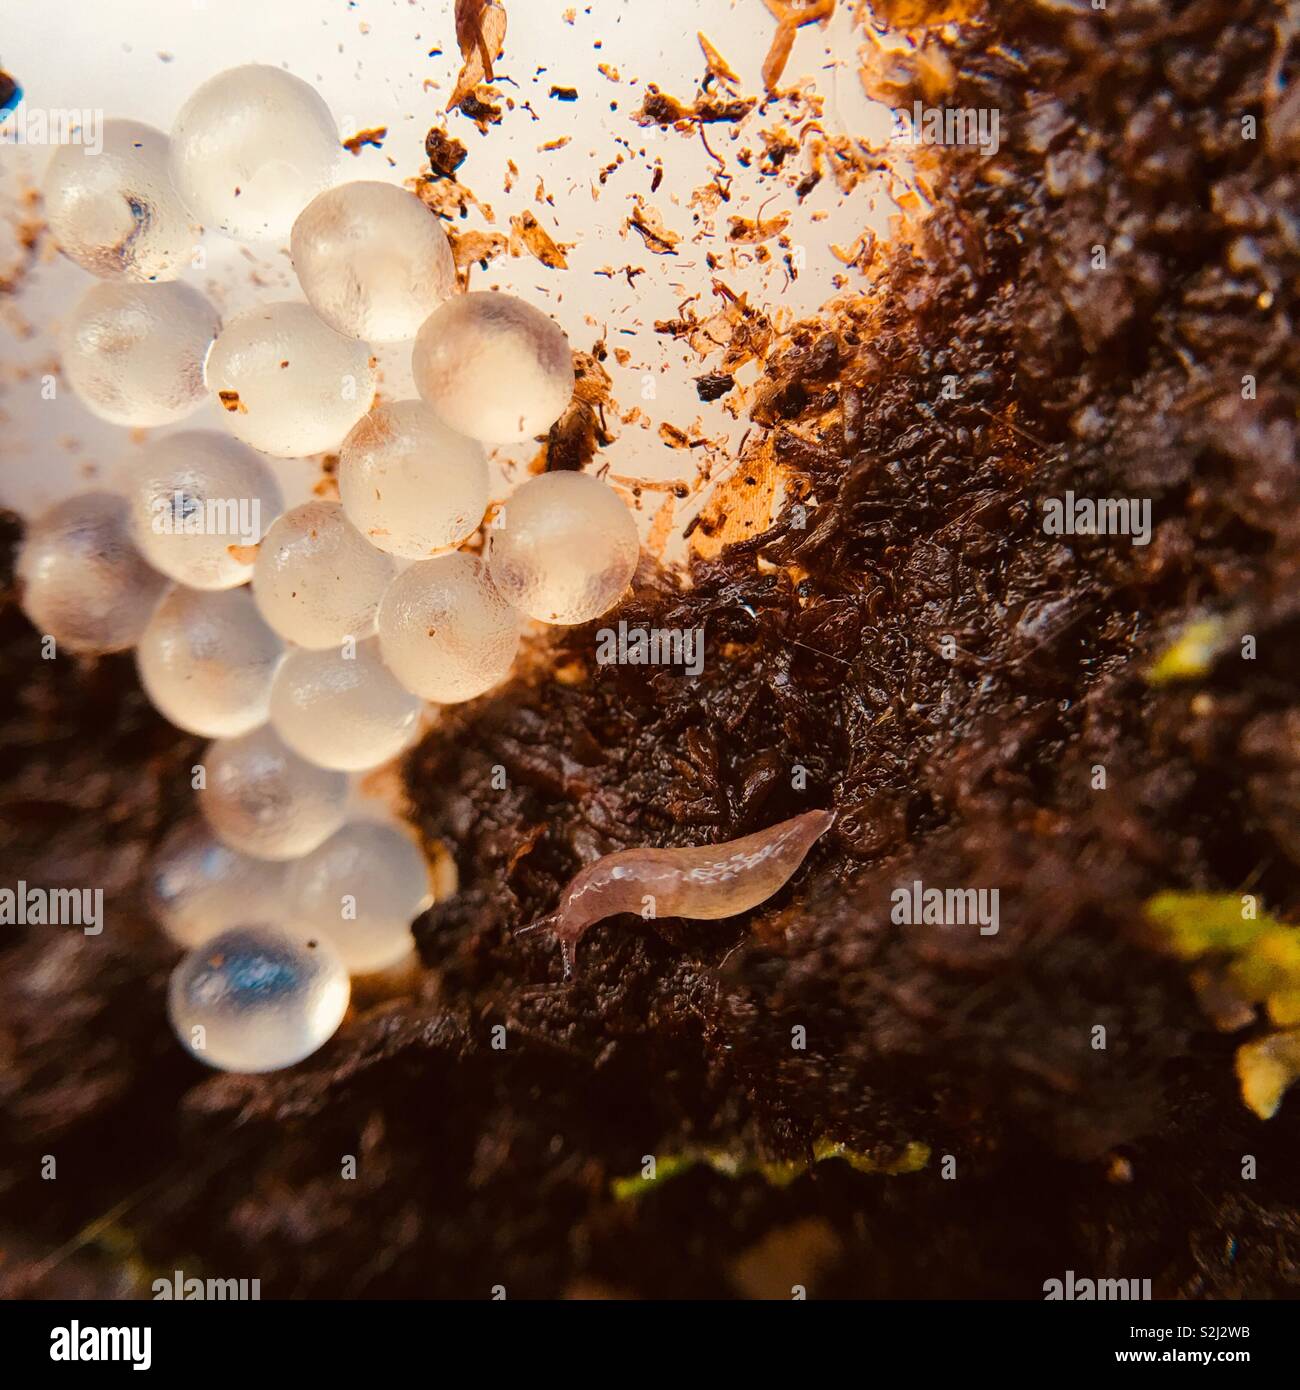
(480, 35)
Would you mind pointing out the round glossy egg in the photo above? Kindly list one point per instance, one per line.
(196, 886)
(410, 485)
(564, 549)
(361, 890)
(261, 798)
(116, 213)
(317, 581)
(250, 149)
(82, 580)
(445, 632)
(493, 367)
(134, 354)
(257, 999)
(289, 384)
(200, 501)
(206, 661)
(343, 708)
(373, 261)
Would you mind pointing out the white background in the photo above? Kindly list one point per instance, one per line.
(371, 61)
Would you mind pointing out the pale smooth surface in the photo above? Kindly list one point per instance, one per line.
(445, 632)
(116, 213)
(196, 886)
(288, 383)
(263, 799)
(317, 580)
(410, 485)
(362, 889)
(83, 581)
(134, 354)
(494, 367)
(565, 548)
(206, 661)
(257, 999)
(251, 148)
(345, 711)
(191, 495)
(373, 261)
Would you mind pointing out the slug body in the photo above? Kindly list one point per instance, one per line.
(705, 882)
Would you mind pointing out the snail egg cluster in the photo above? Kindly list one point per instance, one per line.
(303, 643)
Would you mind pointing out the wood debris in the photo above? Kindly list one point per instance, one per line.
(529, 235)
(649, 223)
(790, 19)
(481, 36)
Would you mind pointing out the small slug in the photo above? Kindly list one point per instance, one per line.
(705, 882)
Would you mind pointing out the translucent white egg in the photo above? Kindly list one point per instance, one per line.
(343, 710)
(317, 580)
(199, 502)
(373, 260)
(410, 485)
(445, 632)
(493, 367)
(134, 354)
(116, 213)
(250, 149)
(263, 799)
(206, 661)
(196, 886)
(361, 890)
(289, 383)
(257, 999)
(564, 549)
(83, 581)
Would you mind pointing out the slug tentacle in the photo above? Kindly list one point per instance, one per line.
(705, 882)
(542, 924)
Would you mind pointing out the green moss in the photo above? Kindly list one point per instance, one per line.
(1266, 1068)
(1260, 965)
(670, 1166)
(1192, 653)
(776, 1173)
(1284, 1007)
(912, 1159)
(1269, 965)
(1193, 924)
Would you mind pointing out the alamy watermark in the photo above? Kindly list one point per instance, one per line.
(1100, 1290)
(916, 905)
(1098, 516)
(37, 125)
(183, 515)
(654, 646)
(178, 1288)
(949, 125)
(74, 1342)
(53, 907)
